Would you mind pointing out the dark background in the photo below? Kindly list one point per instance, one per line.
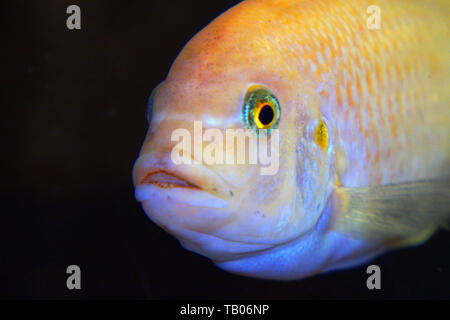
(73, 120)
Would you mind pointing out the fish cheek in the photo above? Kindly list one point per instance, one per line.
(314, 170)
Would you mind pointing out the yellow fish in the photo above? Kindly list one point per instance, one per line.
(358, 94)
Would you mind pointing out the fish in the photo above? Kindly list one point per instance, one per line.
(353, 98)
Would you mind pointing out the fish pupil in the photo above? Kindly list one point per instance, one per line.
(266, 115)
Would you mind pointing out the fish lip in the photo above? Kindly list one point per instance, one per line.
(190, 177)
(193, 198)
(176, 180)
(193, 186)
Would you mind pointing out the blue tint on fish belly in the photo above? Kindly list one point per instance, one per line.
(310, 254)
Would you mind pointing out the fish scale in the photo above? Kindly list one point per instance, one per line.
(383, 82)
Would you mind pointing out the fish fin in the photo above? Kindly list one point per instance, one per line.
(397, 214)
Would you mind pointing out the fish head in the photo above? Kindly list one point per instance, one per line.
(220, 84)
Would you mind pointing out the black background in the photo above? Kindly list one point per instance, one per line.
(73, 120)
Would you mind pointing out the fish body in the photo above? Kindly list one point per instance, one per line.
(364, 127)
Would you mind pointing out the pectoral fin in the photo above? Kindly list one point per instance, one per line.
(400, 214)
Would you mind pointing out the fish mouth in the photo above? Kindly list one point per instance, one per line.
(195, 187)
(166, 180)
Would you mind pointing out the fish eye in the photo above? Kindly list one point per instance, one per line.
(261, 109)
(151, 101)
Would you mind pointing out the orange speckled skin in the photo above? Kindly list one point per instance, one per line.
(384, 93)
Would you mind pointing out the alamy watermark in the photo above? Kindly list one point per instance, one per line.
(74, 280)
(222, 149)
(74, 20)
(374, 280)
(374, 18)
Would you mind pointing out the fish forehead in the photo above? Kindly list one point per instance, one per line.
(246, 41)
(190, 101)
(248, 44)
